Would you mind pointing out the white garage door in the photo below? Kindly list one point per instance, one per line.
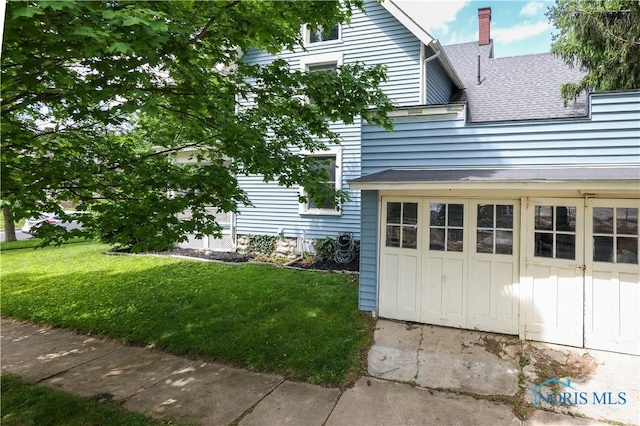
(612, 278)
(554, 268)
(583, 284)
(451, 262)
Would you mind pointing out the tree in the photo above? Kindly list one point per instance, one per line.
(99, 97)
(602, 37)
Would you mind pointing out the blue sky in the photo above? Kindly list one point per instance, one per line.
(517, 27)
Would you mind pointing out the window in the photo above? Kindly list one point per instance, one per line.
(331, 66)
(317, 63)
(446, 227)
(555, 232)
(402, 225)
(495, 229)
(314, 35)
(615, 235)
(331, 161)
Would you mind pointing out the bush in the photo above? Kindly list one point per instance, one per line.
(325, 247)
(263, 244)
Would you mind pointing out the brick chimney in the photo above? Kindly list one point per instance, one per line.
(484, 26)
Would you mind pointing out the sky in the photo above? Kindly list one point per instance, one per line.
(517, 27)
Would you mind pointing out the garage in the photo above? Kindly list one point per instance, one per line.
(547, 254)
(569, 277)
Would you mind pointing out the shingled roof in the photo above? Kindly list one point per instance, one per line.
(513, 88)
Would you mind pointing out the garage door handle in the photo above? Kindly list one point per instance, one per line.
(582, 268)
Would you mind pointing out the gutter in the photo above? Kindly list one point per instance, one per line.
(446, 63)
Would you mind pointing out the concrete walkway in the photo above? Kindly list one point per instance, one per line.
(162, 385)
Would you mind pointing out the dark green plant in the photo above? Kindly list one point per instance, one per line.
(127, 87)
(325, 247)
(601, 37)
(263, 244)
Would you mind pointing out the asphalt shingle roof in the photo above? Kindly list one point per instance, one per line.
(497, 174)
(513, 88)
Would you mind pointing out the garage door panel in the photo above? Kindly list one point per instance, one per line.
(443, 302)
(400, 292)
(453, 287)
(480, 291)
(433, 284)
(629, 303)
(390, 281)
(612, 281)
(502, 297)
(408, 297)
(608, 297)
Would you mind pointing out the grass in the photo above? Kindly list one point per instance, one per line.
(24, 404)
(18, 223)
(302, 324)
(32, 243)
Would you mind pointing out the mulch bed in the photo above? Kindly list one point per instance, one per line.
(222, 256)
(327, 265)
(233, 257)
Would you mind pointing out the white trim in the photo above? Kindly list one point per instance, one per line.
(306, 37)
(423, 75)
(321, 59)
(413, 26)
(422, 35)
(303, 208)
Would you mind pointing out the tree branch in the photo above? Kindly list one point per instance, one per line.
(203, 32)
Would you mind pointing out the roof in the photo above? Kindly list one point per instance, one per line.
(580, 174)
(513, 88)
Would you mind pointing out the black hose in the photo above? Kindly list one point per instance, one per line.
(345, 248)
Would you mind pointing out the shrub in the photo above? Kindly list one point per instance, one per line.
(263, 244)
(325, 247)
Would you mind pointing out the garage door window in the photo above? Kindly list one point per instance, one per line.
(446, 227)
(402, 225)
(495, 229)
(615, 235)
(555, 232)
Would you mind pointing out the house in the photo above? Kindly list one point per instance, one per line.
(491, 206)
(503, 211)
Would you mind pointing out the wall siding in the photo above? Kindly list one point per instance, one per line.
(611, 135)
(276, 208)
(439, 86)
(367, 300)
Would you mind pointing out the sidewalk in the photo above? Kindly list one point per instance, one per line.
(162, 385)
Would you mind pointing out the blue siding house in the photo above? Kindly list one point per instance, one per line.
(492, 205)
(275, 210)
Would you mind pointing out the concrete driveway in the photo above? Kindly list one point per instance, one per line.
(583, 383)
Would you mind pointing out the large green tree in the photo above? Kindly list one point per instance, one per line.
(99, 96)
(603, 38)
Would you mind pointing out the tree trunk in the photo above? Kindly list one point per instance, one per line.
(9, 225)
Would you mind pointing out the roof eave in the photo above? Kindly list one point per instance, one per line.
(423, 35)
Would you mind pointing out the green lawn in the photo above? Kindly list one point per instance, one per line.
(24, 404)
(302, 324)
(18, 223)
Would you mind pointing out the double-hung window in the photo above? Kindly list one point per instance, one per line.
(316, 35)
(331, 161)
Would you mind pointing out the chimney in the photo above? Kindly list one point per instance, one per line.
(484, 26)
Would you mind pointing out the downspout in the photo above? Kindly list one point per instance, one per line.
(426, 80)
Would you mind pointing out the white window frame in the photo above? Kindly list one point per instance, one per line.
(306, 35)
(303, 208)
(323, 59)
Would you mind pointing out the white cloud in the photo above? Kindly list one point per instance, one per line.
(433, 15)
(519, 32)
(533, 8)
